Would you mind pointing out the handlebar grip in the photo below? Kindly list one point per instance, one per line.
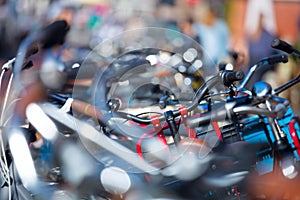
(214, 115)
(230, 76)
(284, 46)
(278, 58)
(85, 108)
(78, 105)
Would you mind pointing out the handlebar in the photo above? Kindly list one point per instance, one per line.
(284, 46)
(274, 59)
(271, 60)
(78, 105)
(286, 85)
(93, 111)
(229, 111)
(214, 115)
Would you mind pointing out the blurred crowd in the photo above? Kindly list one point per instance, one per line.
(209, 22)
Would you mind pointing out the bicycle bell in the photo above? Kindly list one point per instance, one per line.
(261, 89)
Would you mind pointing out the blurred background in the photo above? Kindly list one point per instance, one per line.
(238, 31)
(222, 27)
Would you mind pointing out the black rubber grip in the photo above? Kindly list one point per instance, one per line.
(229, 77)
(282, 45)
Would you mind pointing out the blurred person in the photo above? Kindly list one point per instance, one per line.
(260, 30)
(254, 10)
(67, 14)
(186, 26)
(213, 33)
(259, 46)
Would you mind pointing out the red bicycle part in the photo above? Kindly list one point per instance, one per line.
(294, 136)
(158, 129)
(184, 115)
(217, 130)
